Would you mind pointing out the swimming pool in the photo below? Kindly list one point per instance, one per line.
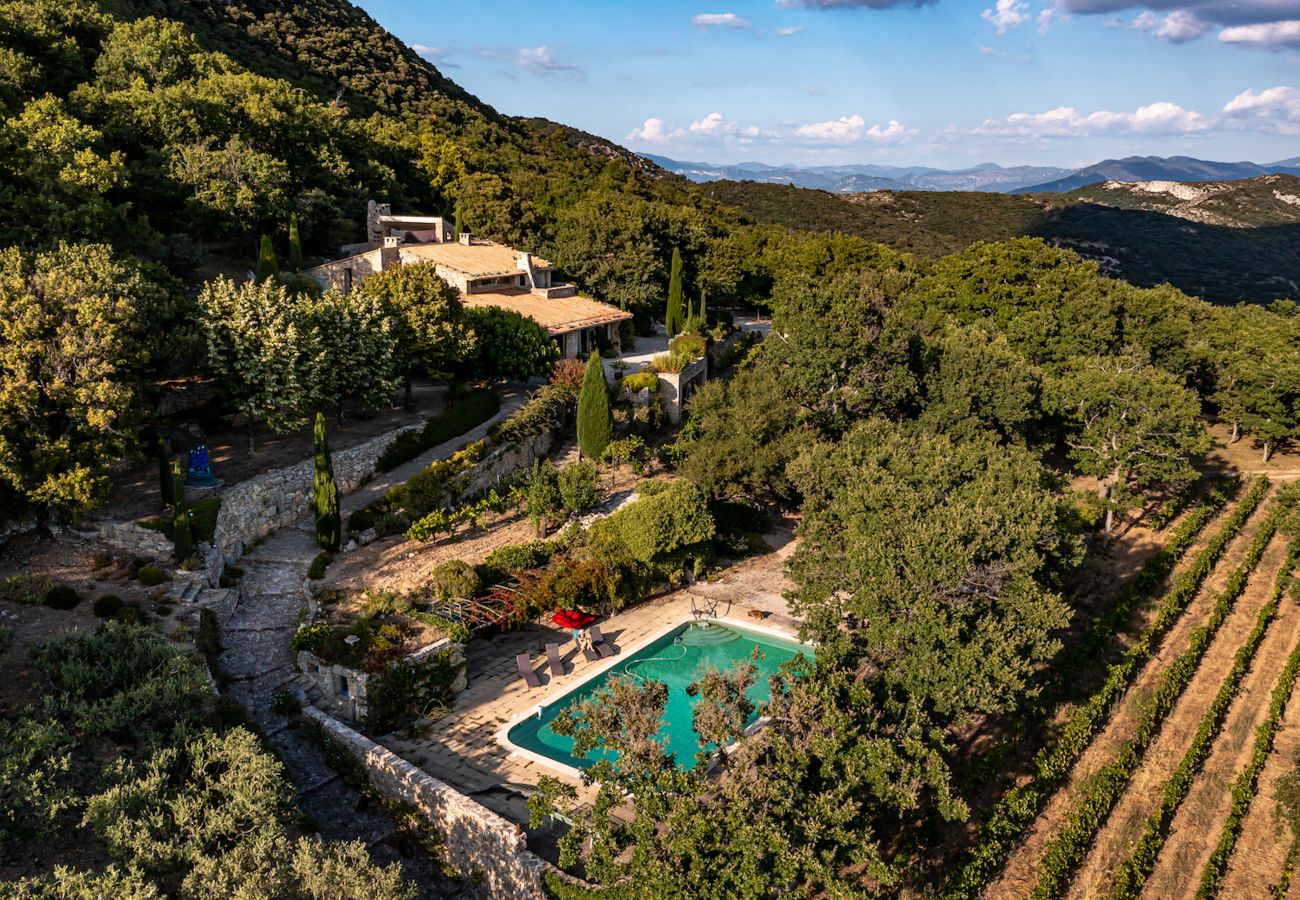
(675, 658)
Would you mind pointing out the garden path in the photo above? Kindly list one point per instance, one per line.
(256, 662)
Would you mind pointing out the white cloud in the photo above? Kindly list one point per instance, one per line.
(719, 20)
(1275, 109)
(792, 29)
(1066, 121)
(541, 61)
(1179, 27)
(713, 123)
(652, 131)
(893, 133)
(1007, 15)
(1047, 18)
(433, 54)
(1269, 35)
(844, 130)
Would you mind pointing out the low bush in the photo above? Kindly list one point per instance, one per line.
(25, 588)
(551, 407)
(411, 690)
(107, 606)
(436, 486)
(646, 379)
(316, 571)
(739, 516)
(691, 346)
(61, 596)
(568, 373)
(454, 580)
(469, 411)
(150, 575)
(579, 485)
(661, 521)
(361, 520)
(520, 557)
(670, 363)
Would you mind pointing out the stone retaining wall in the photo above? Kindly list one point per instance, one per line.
(481, 845)
(136, 539)
(254, 509)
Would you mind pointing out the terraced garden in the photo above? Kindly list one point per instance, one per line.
(1163, 782)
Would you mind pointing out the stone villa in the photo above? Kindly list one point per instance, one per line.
(485, 273)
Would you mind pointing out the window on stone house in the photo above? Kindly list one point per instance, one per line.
(343, 686)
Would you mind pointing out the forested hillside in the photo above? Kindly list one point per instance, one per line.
(1240, 245)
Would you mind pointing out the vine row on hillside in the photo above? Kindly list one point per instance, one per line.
(1099, 796)
(1020, 805)
(1133, 872)
(1243, 790)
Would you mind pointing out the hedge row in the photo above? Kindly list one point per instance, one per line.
(1243, 790)
(1001, 832)
(1104, 790)
(1283, 886)
(1133, 872)
(470, 411)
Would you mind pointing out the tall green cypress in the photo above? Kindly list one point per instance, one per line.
(267, 265)
(325, 493)
(182, 535)
(295, 244)
(166, 481)
(704, 316)
(673, 320)
(457, 226)
(595, 426)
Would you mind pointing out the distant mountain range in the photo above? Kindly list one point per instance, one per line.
(987, 177)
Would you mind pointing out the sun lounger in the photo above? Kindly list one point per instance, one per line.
(598, 641)
(553, 657)
(588, 651)
(526, 670)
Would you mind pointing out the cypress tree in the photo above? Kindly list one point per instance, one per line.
(166, 481)
(267, 265)
(295, 244)
(673, 321)
(325, 493)
(595, 426)
(182, 535)
(704, 316)
(457, 225)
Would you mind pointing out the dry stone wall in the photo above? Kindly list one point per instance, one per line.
(481, 845)
(253, 509)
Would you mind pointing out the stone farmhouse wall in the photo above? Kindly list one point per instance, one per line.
(481, 845)
(345, 689)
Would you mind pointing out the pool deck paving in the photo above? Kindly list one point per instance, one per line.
(462, 748)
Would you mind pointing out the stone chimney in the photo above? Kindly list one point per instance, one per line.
(390, 256)
(465, 238)
(374, 232)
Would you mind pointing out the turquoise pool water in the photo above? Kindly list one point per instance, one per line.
(675, 659)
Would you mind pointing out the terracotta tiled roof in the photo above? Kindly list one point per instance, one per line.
(481, 259)
(556, 315)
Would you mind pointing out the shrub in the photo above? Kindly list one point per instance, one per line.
(454, 580)
(150, 575)
(510, 345)
(472, 410)
(672, 517)
(284, 702)
(646, 379)
(312, 637)
(568, 373)
(691, 346)
(739, 516)
(410, 690)
(429, 526)
(61, 596)
(25, 588)
(670, 363)
(316, 571)
(361, 520)
(107, 606)
(550, 407)
(579, 486)
(436, 486)
(203, 519)
(519, 557)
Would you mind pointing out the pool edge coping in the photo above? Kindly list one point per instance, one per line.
(502, 733)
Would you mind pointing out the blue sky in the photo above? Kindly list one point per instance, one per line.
(917, 82)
